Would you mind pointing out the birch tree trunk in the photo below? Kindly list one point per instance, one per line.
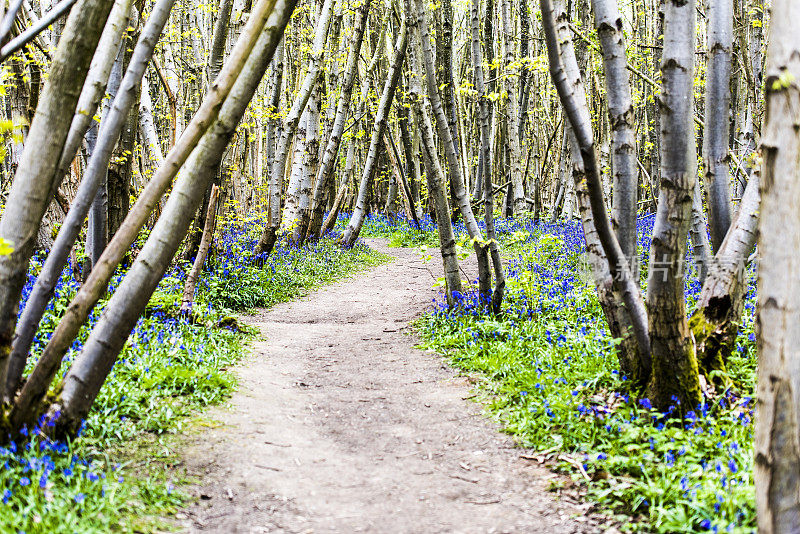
(716, 134)
(381, 116)
(675, 372)
(777, 451)
(147, 125)
(623, 142)
(512, 88)
(436, 180)
(32, 188)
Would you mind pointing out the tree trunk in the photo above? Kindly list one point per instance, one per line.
(512, 131)
(716, 133)
(387, 96)
(715, 322)
(777, 451)
(422, 45)
(566, 77)
(436, 181)
(623, 142)
(675, 372)
(205, 243)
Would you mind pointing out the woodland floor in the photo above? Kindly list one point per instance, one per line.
(341, 425)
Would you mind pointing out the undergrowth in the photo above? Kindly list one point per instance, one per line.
(547, 370)
(113, 477)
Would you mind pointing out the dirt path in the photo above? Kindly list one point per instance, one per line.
(341, 425)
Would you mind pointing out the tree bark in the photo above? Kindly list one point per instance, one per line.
(675, 373)
(623, 142)
(716, 133)
(512, 132)
(202, 253)
(350, 234)
(777, 451)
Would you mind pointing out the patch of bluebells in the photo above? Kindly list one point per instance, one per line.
(169, 367)
(554, 379)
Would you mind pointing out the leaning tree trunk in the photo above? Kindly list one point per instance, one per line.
(675, 372)
(436, 189)
(205, 244)
(777, 451)
(716, 133)
(623, 141)
(381, 116)
(270, 232)
(326, 170)
(717, 316)
(34, 181)
(93, 178)
(90, 369)
(94, 287)
(622, 299)
(419, 25)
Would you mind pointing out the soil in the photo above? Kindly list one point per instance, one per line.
(341, 425)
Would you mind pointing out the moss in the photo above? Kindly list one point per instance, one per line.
(713, 346)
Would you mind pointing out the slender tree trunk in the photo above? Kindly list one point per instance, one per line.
(436, 181)
(512, 132)
(777, 451)
(147, 125)
(716, 133)
(675, 372)
(623, 141)
(202, 253)
(387, 96)
(422, 45)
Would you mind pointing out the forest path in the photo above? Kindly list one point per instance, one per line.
(341, 425)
